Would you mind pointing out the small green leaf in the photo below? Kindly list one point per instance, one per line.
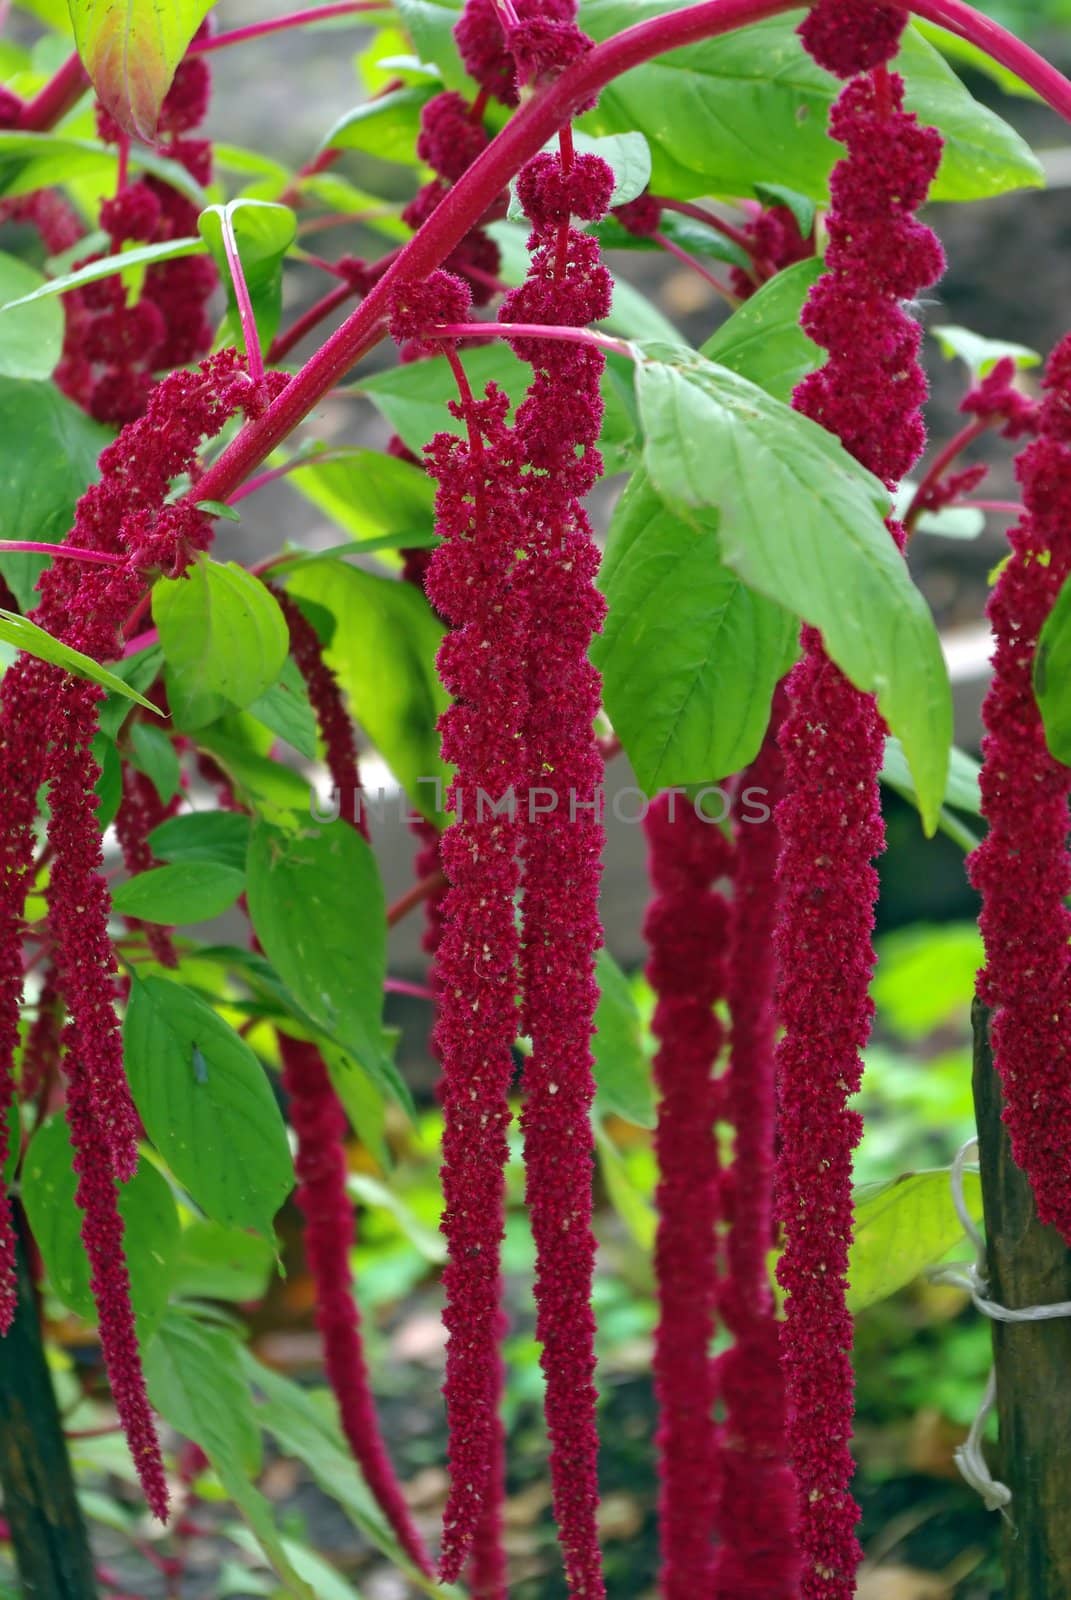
(386, 127)
(220, 1263)
(26, 635)
(979, 353)
(366, 492)
(217, 508)
(219, 1130)
(803, 523)
(901, 1228)
(146, 255)
(150, 1227)
(188, 891)
(316, 904)
(1052, 676)
(263, 233)
(219, 836)
(154, 754)
(194, 1375)
(961, 792)
(223, 637)
(130, 49)
(30, 345)
(285, 708)
(622, 1071)
(763, 340)
(690, 656)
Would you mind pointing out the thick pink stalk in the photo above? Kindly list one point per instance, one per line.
(320, 1124)
(687, 930)
(294, 19)
(524, 135)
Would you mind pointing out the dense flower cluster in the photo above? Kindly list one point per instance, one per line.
(112, 348)
(869, 393)
(319, 1123)
(687, 929)
(776, 240)
(1022, 867)
(472, 582)
(557, 426)
(452, 135)
(757, 1551)
(47, 724)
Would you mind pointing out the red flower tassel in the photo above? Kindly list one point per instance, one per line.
(1022, 868)
(686, 927)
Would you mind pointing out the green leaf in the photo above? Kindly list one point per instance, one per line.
(223, 636)
(901, 1228)
(220, 836)
(30, 161)
(763, 340)
(30, 345)
(268, 787)
(26, 635)
(626, 154)
(195, 1379)
(323, 1579)
(189, 891)
(431, 1245)
(383, 654)
(146, 255)
(631, 1205)
(207, 1105)
(386, 127)
(48, 461)
(130, 49)
(154, 754)
(263, 232)
(802, 523)
(690, 656)
(150, 1227)
(363, 1099)
(951, 522)
(220, 1263)
(979, 353)
(622, 1071)
(285, 708)
(366, 492)
(749, 109)
(961, 792)
(1052, 676)
(316, 904)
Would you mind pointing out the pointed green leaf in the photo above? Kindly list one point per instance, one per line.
(223, 637)
(130, 49)
(263, 233)
(26, 635)
(220, 836)
(803, 523)
(1052, 676)
(30, 345)
(763, 340)
(901, 1228)
(207, 1105)
(189, 891)
(147, 255)
(622, 1070)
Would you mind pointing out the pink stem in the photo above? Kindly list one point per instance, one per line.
(940, 465)
(688, 208)
(1002, 508)
(246, 314)
(530, 330)
(73, 550)
(673, 249)
(400, 986)
(294, 19)
(527, 132)
(142, 642)
(59, 95)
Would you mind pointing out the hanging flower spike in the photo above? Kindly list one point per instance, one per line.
(757, 1554)
(472, 583)
(869, 394)
(686, 928)
(123, 514)
(1021, 868)
(320, 1125)
(558, 425)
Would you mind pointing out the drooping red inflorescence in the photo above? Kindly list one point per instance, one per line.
(869, 393)
(758, 1553)
(319, 1123)
(687, 929)
(47, 724)
(558, 425)
(1021, 868)
(472, 581)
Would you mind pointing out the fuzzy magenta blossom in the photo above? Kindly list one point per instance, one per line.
(472, 581)
(452, 135)
(869, 394)
(319, 1122)
(687, 929)
(41, 1055)
(757, 1555)
(776, 242)
(1021, 868)
(47, 724)
(558, 425)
